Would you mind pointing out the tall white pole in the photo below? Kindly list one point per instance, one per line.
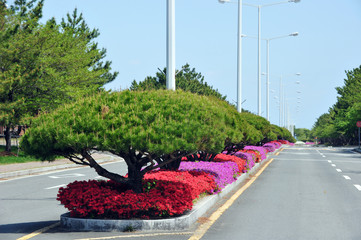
(259, 61)
(280, 123)
(239, 58)
(171, 44)
(268, 79)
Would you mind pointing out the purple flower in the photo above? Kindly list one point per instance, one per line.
(261, 150)
(223, 172)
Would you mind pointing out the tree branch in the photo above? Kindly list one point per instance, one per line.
(102, 171)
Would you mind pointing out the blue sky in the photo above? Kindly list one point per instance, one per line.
(134, 34)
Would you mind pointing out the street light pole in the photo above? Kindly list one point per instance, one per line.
(239, 54)
(239, 58)
(239, 51)
(282, 120)
(268, 74)
(259, 61)
(170, 45)
(259, 45)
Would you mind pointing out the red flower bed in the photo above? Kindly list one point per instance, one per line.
(110, 200)
(199, 182)
(241, 163)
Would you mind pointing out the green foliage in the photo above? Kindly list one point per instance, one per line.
(44, 65)
(144, 128)
(303, 134)
(187, 79)
(12, 157)
(261, 131)
(156, 122)
(282, 133)
(338, 126)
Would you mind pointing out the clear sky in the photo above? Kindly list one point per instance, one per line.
(329, 42)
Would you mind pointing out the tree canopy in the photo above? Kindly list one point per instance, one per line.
(338, 126)
(187, 79)
(145, 128)
(44, 65)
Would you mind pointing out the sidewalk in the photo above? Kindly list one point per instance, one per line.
(30, 168)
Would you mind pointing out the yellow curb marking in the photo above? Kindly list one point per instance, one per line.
(137, 235)
(40, 231)
(202, 229)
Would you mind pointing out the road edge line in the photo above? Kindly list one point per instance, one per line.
(203, 228)
(39, 231)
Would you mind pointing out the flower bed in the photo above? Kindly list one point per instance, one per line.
(199, 182)
(223, 172)
(166, 193)
(261, 150)
(110, 200)
(241, 163)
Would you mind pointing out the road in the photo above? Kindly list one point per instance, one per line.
(305, 193)
(29, 203)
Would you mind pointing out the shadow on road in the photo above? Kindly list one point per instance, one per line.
(25, 228)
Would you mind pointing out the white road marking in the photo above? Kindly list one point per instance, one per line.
(333, 165)
(346, 177)
(329, 161)
(68, 175)
(59, 186)
(358, 187)
(338, 170)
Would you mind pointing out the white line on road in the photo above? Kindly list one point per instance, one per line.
(295, 160)
(346, 177)
(68, 175)
(329, 161)
(358, 187)
(333, 165)
(338, 170)
(59, 186)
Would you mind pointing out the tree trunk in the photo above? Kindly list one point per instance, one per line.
(136, 180)
(8, 139)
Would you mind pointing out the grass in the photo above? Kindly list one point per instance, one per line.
(22, 158)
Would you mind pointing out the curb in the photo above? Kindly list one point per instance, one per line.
(37, 170)
(178, 223)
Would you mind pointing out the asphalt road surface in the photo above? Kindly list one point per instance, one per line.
(305, 193)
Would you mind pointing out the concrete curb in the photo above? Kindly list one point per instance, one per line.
(37, 170)
(178, 223)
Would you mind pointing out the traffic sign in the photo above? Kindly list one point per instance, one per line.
(358, 124)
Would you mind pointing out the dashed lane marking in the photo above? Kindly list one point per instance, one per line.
(333, 165)
(358, 187)
(59, 186)
(346, 177)
(338, 170)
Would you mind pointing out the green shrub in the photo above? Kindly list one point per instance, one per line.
(144, 128)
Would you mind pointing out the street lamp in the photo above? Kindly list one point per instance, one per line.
(170, 45)
(239, 55)
(268, 40)
(294, 34)
(259, 43)
(282, 100)
(239, 49)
